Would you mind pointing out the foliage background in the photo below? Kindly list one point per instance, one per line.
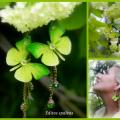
(94, 102)
(71, 73)
(102, 29)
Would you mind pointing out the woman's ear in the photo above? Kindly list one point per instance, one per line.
(117, 87)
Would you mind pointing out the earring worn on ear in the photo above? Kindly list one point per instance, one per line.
(115, 96)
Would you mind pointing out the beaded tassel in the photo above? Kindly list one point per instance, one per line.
(54, 84)
(27, 97)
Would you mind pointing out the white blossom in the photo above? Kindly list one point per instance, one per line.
(99, 5)
(26, 17)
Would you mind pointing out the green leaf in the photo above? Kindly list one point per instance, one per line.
(76, 20)
(24, 74)
(55, 32)
(64, 45)
(4, 4)
(82, 43)
(95, 22)
(97, 12)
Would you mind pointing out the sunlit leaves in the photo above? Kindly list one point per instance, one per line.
(113, 11)
(4, 4)
(96, 22)
(76, 20)
(99, 5)
(104, 29)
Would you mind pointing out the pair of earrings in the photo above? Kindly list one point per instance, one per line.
(49, 54)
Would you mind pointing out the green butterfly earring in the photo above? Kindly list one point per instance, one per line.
(58, 46)
(18, 57)
(115, 97)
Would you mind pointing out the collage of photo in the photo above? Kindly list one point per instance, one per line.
(60, 59)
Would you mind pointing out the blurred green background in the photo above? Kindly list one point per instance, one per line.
(71, 73)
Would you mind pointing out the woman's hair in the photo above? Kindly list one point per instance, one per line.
(117, 73)
(117, 78)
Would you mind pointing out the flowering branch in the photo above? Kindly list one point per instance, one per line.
(27, 16)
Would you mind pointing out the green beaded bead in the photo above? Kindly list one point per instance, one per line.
(51, 104)
(56, 84)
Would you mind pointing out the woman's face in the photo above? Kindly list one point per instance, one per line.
(106, 82)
